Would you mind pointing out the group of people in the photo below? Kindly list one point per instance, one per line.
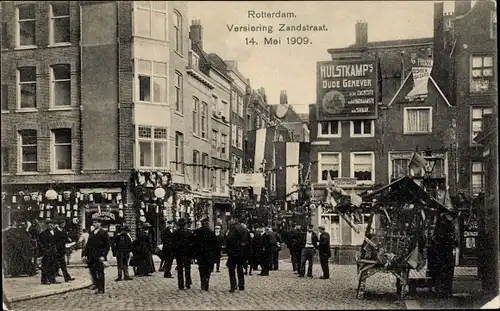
(20, 242)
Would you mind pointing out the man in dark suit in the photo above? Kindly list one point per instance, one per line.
(48, 250)
(221, 242)
(256, 242)
(168, 256)
(292, 237)
(276, 254)
(270, 244)
(121, 248)
(324, 252)
(308, 252)
(62, 238)
(206, 248)
(95, 253)
(182, 250)
(237, 243)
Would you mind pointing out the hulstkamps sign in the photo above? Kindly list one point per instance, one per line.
(346, 89)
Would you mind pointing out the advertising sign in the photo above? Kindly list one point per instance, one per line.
(346, 89)
(345, 182)
(249, 180)
(422, 63)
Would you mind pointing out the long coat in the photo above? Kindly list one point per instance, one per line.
(206, 246)
(97, 245)
(324, 245)
(237, 241)
(182, 244)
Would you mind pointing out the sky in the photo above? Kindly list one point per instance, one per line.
(293, 67)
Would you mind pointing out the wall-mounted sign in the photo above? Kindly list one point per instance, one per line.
(104, 215)
(346, 89)
(345, 182)
(421, 62)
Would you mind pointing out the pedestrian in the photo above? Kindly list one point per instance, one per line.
(122, 247)
(276, 253)
(48, 250)
(206, 248)
(34, 233)
(270, 243)
(221, 242)
(82, 241)
(308, 252)
(236, 244)
(62, 238)
(324, 252)
(168, 256)
(299, 245)
(145, 250)
(444, 242)
(292, 242)
(182, 250)
(256, 242)
(95, 254)
(247, 252)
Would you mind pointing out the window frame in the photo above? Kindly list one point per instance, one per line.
(205, 170)
(152, 141)
(363, 134)
(240, 103)
(352, 163)
(18, 26)
(215, 180)
(222, 181)
(239, 141)
(52, 19)
(215, 143)
(179, 153)
(196, 116)
(472, 120)
(234, 135)
(329, 135)
(204, 120)
(320, 154)
(54, 145)
(196, 167)
(482, 67)
(223, 146)
(53, 82)
(178, 25)
(179, 91)
(152, 75)
(150, 11)
(20, 152)
(405, 120)
(407, 156)
(474, 173)
(18, 88)
(234, 102)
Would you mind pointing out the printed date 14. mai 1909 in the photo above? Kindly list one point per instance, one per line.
(279, 41)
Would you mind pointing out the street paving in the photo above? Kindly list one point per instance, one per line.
(283, 290)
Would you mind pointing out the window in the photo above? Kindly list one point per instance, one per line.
(482, 79)
(152, 81)
(249, 122)
(362, 128)
(5, 97)
(5, 160)
(196, 162)
(493, 31)
(178, 92)
(223, 181)
(61, 85)
(477, 120)
(215, 137)
(240, 137)
(194, 60)
(153, 143)
(438, 167)
(240, 106)
(333, 226)
(205, 171)
(59, 23)
(178, 32)
(329, 128)
(223, 146)
(362, 167)
(233, 135)
(477, 177)
(150, 19)
(215, 105)
(179, 152)
(204, 123)
(196, 109)
(27, 87)
(225, 110)
(28, 150)
(62, 149)
(329, 165)
(26, 25)
(399, 167)
(418, 120)
(234, 104)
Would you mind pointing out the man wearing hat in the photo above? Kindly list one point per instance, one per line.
(206, 248)
(121, 248)
(62, 238)
(145, 262)
(95, 254)
(221, 243)
(48, 250)
(311, 243)
(168, 256)
(237, 242)
(324, 252)
(182, 250)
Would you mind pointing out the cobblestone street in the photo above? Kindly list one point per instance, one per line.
(282, 290)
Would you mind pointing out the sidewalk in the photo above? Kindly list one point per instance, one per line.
(29, 287)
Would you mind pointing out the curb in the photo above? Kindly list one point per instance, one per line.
(412, 305)
(49, 292)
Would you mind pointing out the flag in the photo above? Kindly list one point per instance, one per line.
(415, 259)
(289, 157)
(417, 162)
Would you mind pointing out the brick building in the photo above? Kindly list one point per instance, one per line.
(361, 151)
(86, 99)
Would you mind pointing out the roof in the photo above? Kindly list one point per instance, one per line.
(394, 43)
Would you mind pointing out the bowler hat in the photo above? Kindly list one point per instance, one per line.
(181, 222)
(321, 227)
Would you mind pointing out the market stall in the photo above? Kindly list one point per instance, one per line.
(403, 216)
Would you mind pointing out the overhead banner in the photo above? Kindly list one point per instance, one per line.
(249, 180)
(346, 89)
(422, 63)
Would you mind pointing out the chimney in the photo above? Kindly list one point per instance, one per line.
(462, 6)
(196, 33)
(283, 98)
(438, 27)
(361, 33)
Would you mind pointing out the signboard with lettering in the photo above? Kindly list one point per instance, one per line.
(345, 182)
(346, 89)
(249, 180)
